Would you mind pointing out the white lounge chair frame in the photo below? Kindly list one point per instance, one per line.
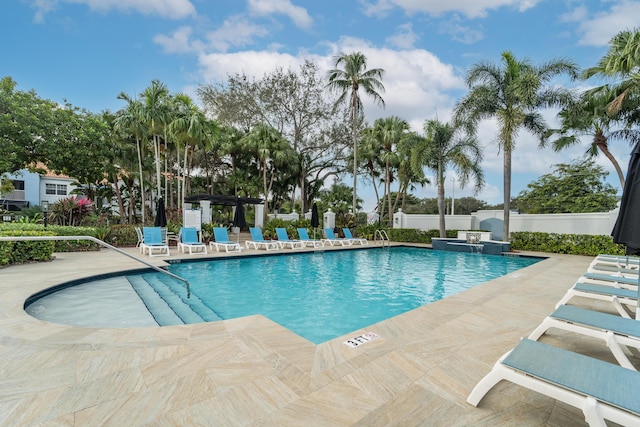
(331, 238)
(617, 332)
(304, 238)
(601, 390)
(283, 240)
(221, 240)
(159, 245)
(618, 297)
(200, 247)
(258, 241)
(359, 240)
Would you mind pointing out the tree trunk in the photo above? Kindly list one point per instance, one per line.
(139, 146)
(601, 142)
(507, 193)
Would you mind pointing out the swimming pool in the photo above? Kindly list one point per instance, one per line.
(318, 295)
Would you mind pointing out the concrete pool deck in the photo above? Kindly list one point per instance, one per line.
(253, 372)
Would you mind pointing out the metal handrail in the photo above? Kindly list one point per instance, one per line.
(100, 242)
(383, 236)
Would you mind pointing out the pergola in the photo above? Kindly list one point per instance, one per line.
(220, 199)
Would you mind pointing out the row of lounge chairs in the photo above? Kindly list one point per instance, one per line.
(153, 240)
(602, 390)
(259, 242)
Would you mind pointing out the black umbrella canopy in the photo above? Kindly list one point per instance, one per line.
(161, 214)
(239, 219)
(627, 228)
(315, 220)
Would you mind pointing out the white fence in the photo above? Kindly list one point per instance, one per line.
(600, 223)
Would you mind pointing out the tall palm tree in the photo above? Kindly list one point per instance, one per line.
(446, 146)
(190, 128)
(130, 121)
(274, 155)
(621, 63)
(407, 174)
(512, 93)
(587, 116)
(390, 132)
(347, 82)
(154, 112)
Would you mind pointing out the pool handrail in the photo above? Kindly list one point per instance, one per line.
(383, 236)
(100, 242)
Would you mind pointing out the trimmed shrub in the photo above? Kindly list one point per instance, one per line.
(21, 252)
(574, 244)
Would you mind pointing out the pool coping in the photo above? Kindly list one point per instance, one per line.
(251, 371)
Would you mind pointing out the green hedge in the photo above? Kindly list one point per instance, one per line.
(574, 244)
(21, 252)
(122, 235)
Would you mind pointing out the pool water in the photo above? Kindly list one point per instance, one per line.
(323, 295)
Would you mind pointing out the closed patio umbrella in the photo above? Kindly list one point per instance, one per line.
(161, 214)
(315, 220)
(239, 219)
(627, 228)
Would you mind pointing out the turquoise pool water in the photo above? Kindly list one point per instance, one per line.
(323, 295)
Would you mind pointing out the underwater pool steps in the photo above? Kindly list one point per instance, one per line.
(188, 309)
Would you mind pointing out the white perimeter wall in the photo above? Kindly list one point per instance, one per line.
(582, 223)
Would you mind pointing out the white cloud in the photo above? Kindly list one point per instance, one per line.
(471, 9)
(599, 30)
(405, 38)
(297, 14)
(459, 32)
(236, 31)
(179, 41)
(173, 9)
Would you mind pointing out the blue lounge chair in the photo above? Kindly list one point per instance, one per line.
(615, 280)
(188, 239)
(331, 238)
(613, 270)
(601, 390)
(618, 297)
(283, 240)
(358, 240)
(621, 261)
(617, 332)
(221, 237)
(152, 240)
(303, 234)
(258, 242)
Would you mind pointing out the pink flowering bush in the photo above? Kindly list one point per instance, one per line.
(70, 211)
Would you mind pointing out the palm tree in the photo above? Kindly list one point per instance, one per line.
(587, 116)
(154, 113)
(274, 155)
(190, 128)
(512, 93)
(347, 82)
(130, 121)
(447, 146)
(390, 132)
(408, 176)
(622, 64)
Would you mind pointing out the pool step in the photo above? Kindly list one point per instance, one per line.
(191, 310)
(158, 307)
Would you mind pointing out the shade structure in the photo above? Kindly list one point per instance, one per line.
(626, 231)
(315, 219)
(161, 214)
(239, 219)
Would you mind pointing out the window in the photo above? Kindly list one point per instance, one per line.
(56, 189)
(18, 184)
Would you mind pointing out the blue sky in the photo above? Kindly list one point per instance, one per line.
(88, 51)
